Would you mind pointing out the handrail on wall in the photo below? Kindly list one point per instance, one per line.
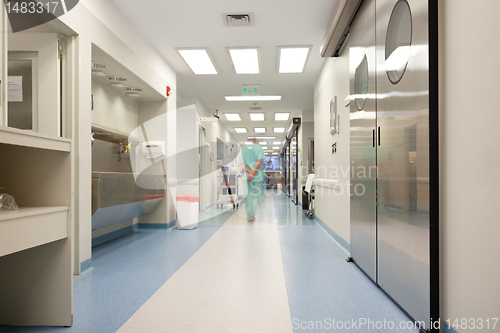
(332, 184)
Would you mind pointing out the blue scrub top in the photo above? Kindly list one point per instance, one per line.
(251, 154)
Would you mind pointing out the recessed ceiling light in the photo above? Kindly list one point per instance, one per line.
(248, 143)
(132, 89)
(117, 85)
(245, 61)
(281, 116)
(98, 65)
(262, 137)
(259, 129)
(279, 130)
(233, 116)
(274, 153)
(252, 98)
(240, 129)
(98, 73)
(292, 59)
(198, 60)
(266, 153)
(277, 143)
(276, 147)
(257, 116)
(262, 143)
(115, 78)
(133, 94)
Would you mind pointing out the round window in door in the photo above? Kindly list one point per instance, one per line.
(398, 41)
(361, 83)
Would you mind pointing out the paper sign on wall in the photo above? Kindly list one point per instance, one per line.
(15, 87)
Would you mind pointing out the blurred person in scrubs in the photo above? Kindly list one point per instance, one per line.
(253, 155)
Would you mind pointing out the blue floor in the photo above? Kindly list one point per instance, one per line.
(126, 272)
(323, 289)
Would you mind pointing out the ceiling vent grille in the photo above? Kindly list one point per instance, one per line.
(255, 108)
(238, 20)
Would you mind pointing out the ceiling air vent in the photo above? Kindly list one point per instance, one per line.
(255, 108)
(238, 20)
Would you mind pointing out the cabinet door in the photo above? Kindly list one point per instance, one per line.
(403, 153)
(362, 137)
(34, 86)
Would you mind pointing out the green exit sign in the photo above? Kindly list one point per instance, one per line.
(251, 90)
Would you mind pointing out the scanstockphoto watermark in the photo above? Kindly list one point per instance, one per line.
(359, 324)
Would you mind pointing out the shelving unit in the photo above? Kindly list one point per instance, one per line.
(35, 241)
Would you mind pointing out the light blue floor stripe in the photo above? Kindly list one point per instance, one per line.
(323, 287)
(126, 272)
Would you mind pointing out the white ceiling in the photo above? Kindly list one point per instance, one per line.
(170, 24)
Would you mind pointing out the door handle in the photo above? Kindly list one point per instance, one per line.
(379, 136)
(373, 138)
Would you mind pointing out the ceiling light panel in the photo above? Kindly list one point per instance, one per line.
(281, 116)
(257, 116)
(233, 116)
(262, 137)
(277, 143)
(276, 147)
(252, 98)
(99, 73)
(240, 130)
(259, 129)
(248, 143)
(245, 61)
(117, 85)
(115, 78)
(263, 143)
(292, 59)
(279, 130)
(199, 61)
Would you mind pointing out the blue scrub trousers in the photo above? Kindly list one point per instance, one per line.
(255, 190)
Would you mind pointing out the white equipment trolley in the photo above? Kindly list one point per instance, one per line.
(227, 187)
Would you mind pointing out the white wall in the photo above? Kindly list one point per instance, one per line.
(107, 12)
(133, 53)
(112, 109)
(214, 130)
(332, 207)
(306, 132)
(469, 120)
(187, 151)
(153, 116)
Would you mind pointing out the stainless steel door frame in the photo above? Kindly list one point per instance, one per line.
(406, 224)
